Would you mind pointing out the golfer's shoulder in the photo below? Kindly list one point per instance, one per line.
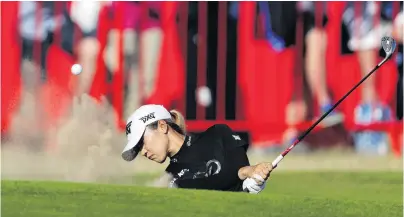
(225, 133)
(220, 134)
(214, 133)
(219, 130)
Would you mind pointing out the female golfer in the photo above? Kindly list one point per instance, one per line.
(215, 159)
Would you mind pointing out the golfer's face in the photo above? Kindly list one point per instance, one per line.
(155, 146)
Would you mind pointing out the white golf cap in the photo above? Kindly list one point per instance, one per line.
(136, 126)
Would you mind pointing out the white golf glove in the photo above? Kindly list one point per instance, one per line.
(251, 186)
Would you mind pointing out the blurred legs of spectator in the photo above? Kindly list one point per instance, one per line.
(142, 76)
(280, 23)
(367, 60)
(38, 23)
(36, 37)
(315, 41)
(49, 31)
(87, 51)
(142, 38)
(131, 55)
(141, 51)
(315, 71)
(365, 40)
(150, 43)
(141, 47)
(315, 65)
(370, 110)
(110, 54)
(85, 15)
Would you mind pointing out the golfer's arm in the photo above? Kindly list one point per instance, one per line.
(241, 156)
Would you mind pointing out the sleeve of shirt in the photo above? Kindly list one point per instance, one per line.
(234, 159)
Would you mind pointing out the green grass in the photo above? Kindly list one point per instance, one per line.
(323, 194)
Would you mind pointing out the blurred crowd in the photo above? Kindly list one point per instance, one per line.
(75, 26)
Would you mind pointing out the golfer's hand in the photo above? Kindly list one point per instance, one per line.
(252, 187)
(260, 172)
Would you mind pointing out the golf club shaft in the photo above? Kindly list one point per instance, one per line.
(303, 135)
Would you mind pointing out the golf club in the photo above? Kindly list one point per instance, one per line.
(389, 45)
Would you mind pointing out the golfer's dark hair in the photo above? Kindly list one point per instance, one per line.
(177, 122)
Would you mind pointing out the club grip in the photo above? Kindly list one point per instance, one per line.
(276, 161)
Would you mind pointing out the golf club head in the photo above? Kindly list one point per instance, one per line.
(389, 45)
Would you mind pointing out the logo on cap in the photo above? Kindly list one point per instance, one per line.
(128, 127)
(147, 117)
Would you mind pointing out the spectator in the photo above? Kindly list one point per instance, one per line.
(142, 43)
(279, 25)
(85, 14)
(49, 23)
(37, 23)
(360, 19)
